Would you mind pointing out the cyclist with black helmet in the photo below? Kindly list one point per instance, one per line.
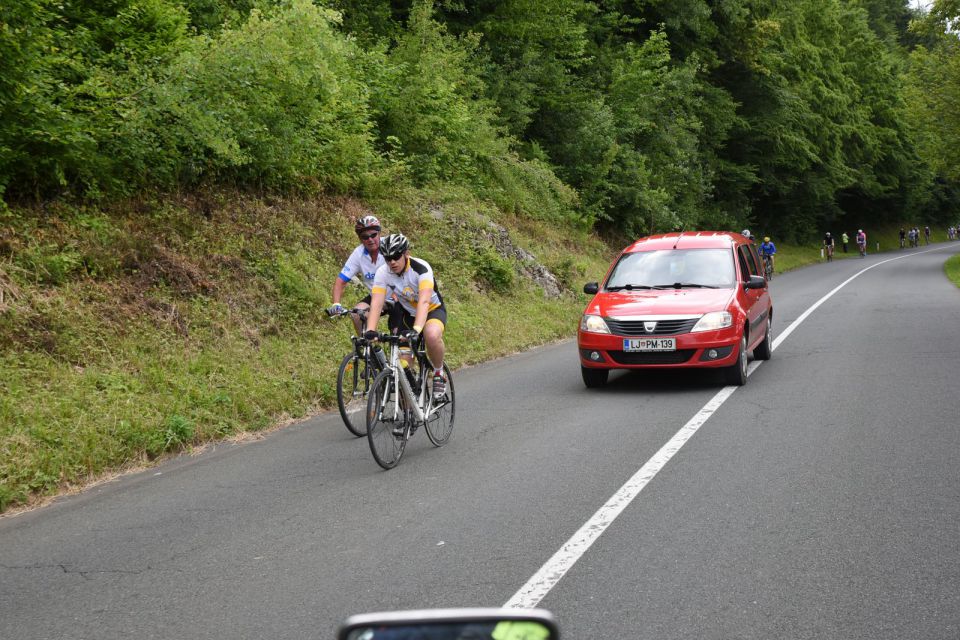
(419, 309)
(828, 246)
(362, 264)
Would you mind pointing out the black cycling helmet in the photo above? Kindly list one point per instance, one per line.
(393, 245)
(367, 222)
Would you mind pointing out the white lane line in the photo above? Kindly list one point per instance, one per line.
(540, 584)
(550, 573)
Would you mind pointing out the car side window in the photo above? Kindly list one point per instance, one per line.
(742, 254)
(749, 262)
(754, 259)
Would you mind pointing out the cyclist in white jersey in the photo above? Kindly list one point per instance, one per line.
(362, 264)
(419, 308)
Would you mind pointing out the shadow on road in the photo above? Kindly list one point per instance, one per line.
(668, 380)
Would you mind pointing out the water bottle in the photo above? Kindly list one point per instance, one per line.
(406, 356)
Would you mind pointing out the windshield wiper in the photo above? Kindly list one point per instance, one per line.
(685, 285)
(628, 287)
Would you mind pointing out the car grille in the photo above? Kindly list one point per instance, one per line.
(664, 327)
(654, 357)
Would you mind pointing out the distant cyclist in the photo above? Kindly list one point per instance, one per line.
(767, 251)
(926, 235)
(903, 235)
(828, 246)
(419, 310)
(862, 242)
(362, 263)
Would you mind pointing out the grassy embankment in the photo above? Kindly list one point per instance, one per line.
(159, 326)
(952, 269)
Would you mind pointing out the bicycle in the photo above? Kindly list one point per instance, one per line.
(355, 377)
(862, 246)
(768, 266)
(829, 252)
(401, 401)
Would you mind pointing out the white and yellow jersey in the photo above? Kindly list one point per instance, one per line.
(415, 277)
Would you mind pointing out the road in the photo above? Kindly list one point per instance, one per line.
(821, 500)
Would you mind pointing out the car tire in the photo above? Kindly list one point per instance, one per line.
(764, 350)
(737, 374)
(594, 378)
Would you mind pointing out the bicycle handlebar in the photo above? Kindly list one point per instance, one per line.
(345, 312)
(390, 338)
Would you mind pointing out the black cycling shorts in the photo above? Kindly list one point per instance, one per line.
(399, 318)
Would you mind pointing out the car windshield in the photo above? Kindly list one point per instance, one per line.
(672, 268)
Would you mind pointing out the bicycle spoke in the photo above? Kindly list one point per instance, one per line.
(439, 424)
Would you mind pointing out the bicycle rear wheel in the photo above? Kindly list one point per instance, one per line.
(387, 421)
(440, 424)
(354, 380)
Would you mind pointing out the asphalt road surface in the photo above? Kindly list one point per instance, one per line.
(821, 500)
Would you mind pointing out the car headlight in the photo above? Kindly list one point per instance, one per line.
(593, 324)
(713, 321)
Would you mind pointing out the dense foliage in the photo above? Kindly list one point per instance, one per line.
(632, 115)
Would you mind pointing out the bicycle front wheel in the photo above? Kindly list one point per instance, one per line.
(387, 420)
(440, 423)
(354, 380)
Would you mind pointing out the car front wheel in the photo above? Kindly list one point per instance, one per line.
(594, 378)
(736, 375)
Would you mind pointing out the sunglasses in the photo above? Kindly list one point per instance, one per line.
(367, 236)
(393, 258)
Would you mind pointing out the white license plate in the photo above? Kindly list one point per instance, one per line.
(649, 344)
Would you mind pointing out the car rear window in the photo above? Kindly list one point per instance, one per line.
(707, 267)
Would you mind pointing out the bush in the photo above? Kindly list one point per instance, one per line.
(278, 102)
(493, 271)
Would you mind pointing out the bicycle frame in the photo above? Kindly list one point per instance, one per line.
(420, 404)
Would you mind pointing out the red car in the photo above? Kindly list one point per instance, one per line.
(677, 300)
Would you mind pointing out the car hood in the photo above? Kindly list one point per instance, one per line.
(660, 302)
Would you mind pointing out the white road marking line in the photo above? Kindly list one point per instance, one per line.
(540, 584)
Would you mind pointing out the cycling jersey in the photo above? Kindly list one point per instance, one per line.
(406, 286)
(861, 238)
(360, 264)
(767, 249)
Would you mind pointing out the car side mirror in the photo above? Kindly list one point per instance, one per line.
(755, 282)
(591, 288)
(451, 624)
